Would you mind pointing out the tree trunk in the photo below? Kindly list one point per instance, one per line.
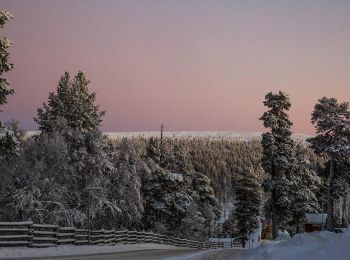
(161, 148)
(274, 216)
(243, 242)
(345, 211)
(275, 225)
(330, 201)
(300, 226)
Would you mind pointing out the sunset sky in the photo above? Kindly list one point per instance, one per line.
(194, 65)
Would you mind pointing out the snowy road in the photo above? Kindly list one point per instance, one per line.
(166, 254)
(215, 254)
(135, 255)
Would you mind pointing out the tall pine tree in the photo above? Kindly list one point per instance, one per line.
(332, 123)
(5, 65)
(277, 154)
(248, 200)
(72, 113)
(305, 185)
(8, 139)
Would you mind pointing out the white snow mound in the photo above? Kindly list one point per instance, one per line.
(282, 235)
(306, 246)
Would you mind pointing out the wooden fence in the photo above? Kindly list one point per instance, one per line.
(43, 235)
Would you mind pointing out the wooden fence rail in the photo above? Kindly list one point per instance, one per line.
(16, 233)
(28, 234)
(44, 235)
(81, 237)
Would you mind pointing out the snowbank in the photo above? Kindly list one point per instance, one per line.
(10, 252)
(282, 236)
(318, 245)
(255, 238)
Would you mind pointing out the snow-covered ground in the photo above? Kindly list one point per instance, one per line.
(307, 246)
(11, 252)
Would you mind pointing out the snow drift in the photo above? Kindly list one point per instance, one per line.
(318, 245)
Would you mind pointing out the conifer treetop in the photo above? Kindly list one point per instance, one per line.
(332, 123)
(276, 118)
(5, 64)
(72, 102)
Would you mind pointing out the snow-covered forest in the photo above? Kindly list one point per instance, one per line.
(176, 186)
(182, 182)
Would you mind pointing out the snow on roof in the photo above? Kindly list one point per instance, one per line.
(316, 218)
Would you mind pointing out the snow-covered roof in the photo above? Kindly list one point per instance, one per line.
(316, 218)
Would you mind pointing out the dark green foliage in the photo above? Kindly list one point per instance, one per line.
(172, 190)
(222, 159)
(248, 202)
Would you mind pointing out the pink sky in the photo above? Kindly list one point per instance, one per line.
(194, 65)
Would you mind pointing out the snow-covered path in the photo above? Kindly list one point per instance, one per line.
(217, 254)
(132, 255)
(67, 251)
(308, 246)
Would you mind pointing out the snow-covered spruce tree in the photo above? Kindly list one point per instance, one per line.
(193, 197)
(165, 189)
(6, 65)
(41, 177)
(125, 186)
(153, 150)
(73, 102)
(165, 198)
(248, 201)
(277, 155)
(194, 224)
(339, 190)
(203, 194)
(8, 140)
(332, 124)
(176, 160)
(229, 226)
(72, 112)
(305, 185)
